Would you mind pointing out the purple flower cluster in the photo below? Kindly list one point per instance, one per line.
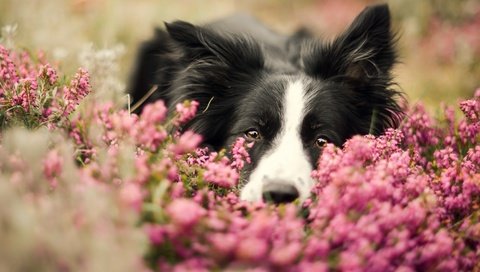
(407, 200)
(403, 201)
(32, 95)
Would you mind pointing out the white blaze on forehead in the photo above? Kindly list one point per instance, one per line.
(287, 161)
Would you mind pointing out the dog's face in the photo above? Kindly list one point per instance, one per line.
(290, 120)
(319, 93)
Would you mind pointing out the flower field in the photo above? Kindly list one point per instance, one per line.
(87, 186)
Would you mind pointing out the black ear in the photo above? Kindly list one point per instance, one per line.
(365, 50)
(200, 43)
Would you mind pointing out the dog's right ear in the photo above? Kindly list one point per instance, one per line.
(199, 43)
(365, 51)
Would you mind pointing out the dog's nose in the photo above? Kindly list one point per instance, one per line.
(279, 193)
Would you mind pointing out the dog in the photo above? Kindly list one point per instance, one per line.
(289, 95)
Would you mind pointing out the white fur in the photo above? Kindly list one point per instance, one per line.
(287, 161)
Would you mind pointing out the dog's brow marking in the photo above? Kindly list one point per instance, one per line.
(294, 107)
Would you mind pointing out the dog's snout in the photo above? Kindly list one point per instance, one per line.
(279, 193)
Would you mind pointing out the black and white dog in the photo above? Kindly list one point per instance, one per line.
(289, 94)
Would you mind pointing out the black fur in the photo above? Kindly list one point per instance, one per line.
(239, 68)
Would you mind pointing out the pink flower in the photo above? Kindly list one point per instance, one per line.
(168, 167)
(156, 233)
(468, 131)
(52, 167)
(224, 244)
(154, 113)
(184, 212)
(349, 261)
(240, 154)
(48, 73)
(221, 173)
(8, 71)
(471, 162)
(151, 137)
(471, 109)
(187, 142)
(26, 94)
(131, 195)
(124, 122)
(78, 88)
(251, 249)
(316, 266)
(147, 131)
(26, 66)
(284, 255)
(186, 111)
(142, 169)
(445, 158)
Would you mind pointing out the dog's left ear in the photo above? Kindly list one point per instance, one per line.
(365, 50)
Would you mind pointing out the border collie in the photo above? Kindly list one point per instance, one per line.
(289, 94)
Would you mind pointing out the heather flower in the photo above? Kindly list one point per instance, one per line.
(154, 113)
(178, 190)
(52, 167)
(200, 157)
(78, 89)
(468, 131)
(471, 162)
(148, 132)
(223, 244)
(150, 137)
(185, 111)
(131, 195)
(142, 168)
(167, 166)
(187, 142)
(156, 233)
(240, 154)
(221, 173)
(251, 249)
(419, 132)
(471, 108)
(124, 122)
(283, 255)
(26, 67)
(445, 158)
(49, 74)
(26, 94)
(388, 143)
(185, 213)
(8, 71)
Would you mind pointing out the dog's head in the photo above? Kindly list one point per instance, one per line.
(318, 93)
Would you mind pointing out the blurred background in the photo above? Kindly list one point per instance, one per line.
(439, 39)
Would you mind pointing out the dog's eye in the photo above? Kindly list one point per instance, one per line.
(321, 141)
(252, 135)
